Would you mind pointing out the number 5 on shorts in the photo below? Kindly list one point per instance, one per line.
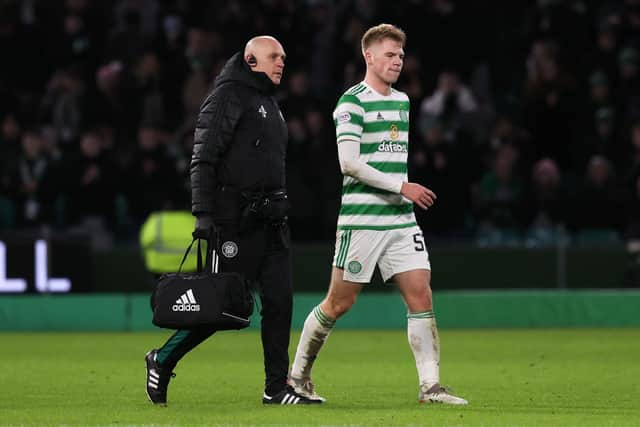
(419, 240)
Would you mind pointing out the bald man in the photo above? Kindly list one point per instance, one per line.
(238, 197)
(265, 54)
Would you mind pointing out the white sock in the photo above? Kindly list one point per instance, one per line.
(316, 329)
(425, 344)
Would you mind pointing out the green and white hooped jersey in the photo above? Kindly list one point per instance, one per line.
(381, 125)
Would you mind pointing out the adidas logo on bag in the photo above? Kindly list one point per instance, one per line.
(186, 302)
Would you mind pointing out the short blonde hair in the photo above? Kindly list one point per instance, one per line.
(381, 32)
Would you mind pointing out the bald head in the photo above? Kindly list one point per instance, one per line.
(269, 57)
(260, 43)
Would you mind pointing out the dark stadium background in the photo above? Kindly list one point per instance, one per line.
(525, 121)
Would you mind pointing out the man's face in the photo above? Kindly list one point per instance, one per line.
(270, 59)
(385, 59)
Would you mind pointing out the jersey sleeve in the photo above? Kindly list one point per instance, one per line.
(348, 118)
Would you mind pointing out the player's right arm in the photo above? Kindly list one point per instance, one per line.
(348, 118)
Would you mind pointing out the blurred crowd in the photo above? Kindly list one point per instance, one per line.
(525, 115)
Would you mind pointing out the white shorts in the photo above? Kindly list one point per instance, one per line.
(394, 251)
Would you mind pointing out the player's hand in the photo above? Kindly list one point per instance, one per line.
(418, 194)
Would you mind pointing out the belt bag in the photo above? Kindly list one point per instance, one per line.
(233, 205)
(270, 207)
(220, 301)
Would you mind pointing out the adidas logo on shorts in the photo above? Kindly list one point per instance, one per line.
(186, 302)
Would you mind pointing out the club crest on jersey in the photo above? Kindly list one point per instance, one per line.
(404, 116)
(393, 132)
(262, 112)
(344, 117)
(229, 249)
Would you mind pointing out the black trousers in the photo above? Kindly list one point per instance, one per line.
(262, 254)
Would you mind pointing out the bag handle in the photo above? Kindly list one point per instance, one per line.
(208, 258)
(186, 254)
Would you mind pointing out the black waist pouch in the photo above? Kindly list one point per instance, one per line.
(271, 207)
(220, 301)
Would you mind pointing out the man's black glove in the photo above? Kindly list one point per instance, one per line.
(204, 227)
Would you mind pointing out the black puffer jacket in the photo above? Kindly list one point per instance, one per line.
(240, 139)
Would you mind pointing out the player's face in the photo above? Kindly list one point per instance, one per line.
(270, 58)
(387, 57)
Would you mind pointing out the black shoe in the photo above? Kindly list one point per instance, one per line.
(288, 396)
(157, 379)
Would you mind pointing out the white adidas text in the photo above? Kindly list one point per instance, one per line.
(186, 302)
(185, 307)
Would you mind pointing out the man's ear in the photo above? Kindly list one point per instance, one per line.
(251, 60)
(368, 57)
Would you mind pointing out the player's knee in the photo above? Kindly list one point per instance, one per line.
(427, 294)
(419, 301)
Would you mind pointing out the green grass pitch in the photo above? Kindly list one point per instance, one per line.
(563, 377)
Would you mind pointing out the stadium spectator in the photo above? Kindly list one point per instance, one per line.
(448, 106)
(546, 200)
(601, 140)
(152, 182)
(549, 105)
(298, 98)
(602, 56)
(500, 191)
(505, 132)
(90, 183)
(31, 181)
(78, 45)
(147, 91)
(597, 203)
(64, 106)
(562, 21)
(128, 40)
(110, 103)
(599, 90)
(147, 12)
(202, 56)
